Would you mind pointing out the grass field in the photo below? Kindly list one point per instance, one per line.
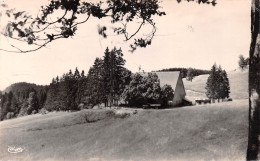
(238, 81)
(205, 132)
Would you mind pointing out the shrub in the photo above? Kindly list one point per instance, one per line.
(43, 111)
(10, 115)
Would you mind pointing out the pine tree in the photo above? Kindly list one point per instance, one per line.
(53, 97)
(33, 104)
(82, 75)
(217, 85)
(113, 73)
(70, 90)
(107, 75)
(95, 83)
(57, 79)
(226, 85)
(76, 74)
(211, 85)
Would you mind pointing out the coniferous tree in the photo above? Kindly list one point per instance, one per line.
(226, 85)
(81, 87)
(211, 84)
(70, 89)
(217, 85)
(95, 83)
(114, 63)
(33, 104)
(106, 74)
(53, 98)
(76, 74)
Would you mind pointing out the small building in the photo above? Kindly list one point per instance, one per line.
(175, 80)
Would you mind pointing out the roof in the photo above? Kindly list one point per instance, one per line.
(170, 78)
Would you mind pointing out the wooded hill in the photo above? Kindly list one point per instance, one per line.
(106, 83)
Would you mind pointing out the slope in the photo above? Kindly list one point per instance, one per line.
(238, 81)
(208, 132)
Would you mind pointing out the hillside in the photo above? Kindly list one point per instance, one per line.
(211, 132)
(22, 86)
(184, 71)
(238, 85)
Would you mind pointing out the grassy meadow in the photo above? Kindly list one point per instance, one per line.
(206, 132)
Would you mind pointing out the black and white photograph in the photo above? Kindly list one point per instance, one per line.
(129, 80)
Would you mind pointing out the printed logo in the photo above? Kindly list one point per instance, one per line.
(13, 149)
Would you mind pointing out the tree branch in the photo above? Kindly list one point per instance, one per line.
(50, 24)
(27, 51)
(126, 35)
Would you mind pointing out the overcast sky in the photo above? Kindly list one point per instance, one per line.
(190, 35)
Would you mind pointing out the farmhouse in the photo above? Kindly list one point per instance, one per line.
(175, 80)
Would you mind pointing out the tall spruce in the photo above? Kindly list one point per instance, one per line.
(226, 85)
(95, 83)
(211, 84)
(113, 73)
(217, 86)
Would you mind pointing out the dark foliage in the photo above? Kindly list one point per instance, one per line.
(217, 85)
(22, 99)
(143, 90)
(243, 62)
(191, 74)
(107, 78)
(41, 30)
(66, 92)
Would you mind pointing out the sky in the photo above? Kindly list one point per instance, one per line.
(190, 35)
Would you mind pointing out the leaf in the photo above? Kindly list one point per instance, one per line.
(30, 40)
(16, 15)
(8, 14)
(21, 23)
(3, 5)
(9, 30)
(51, 37)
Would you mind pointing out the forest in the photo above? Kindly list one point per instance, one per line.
(107, 83)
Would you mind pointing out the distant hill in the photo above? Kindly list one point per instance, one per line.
(238, 80)
(15, 100)
(184, 71)
(21, 86)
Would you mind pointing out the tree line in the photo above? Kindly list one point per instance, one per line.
(217, 86)
(22, 99)
(107, 83)
(186, 72)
